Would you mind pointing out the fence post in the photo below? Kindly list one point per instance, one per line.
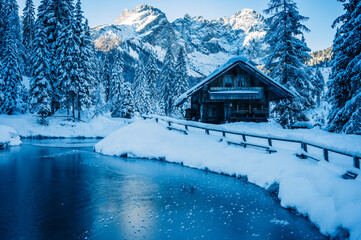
(224, 134)
(207, 131)
(304, 146)
(325, 154)
(244, 138)
(356, 162)
(156, 119)
(270, 142)
(169, 124)
(186, 127)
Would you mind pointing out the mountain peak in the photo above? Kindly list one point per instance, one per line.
(247, 20)
(139, 17)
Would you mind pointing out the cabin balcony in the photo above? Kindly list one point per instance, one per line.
(235, 93)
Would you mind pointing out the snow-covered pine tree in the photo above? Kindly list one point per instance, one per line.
(167, 77)
(2, 32)
(2, 45)
(58, 17)
(85, 67)
(285, 63)
(106, 77)
(127, 102)
(99, 99)
(142, 102)
(68, 53)
(117, 85)
(90, 60)
(152, 74)
(40, 91)
(28, 34)
(344, 87)
(11, 70)
(181, 81)
(318, 83)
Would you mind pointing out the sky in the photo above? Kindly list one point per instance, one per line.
(322, 13)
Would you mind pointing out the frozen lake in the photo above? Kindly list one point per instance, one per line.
(61, 189)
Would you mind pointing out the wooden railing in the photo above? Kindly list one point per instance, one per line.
(270, 140)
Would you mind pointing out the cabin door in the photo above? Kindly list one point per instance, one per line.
(215, 113)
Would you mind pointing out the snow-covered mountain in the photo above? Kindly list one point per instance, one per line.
(208, 43)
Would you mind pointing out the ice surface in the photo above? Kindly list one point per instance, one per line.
(314, 190)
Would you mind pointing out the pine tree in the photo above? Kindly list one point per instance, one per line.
(40, 87)
(318, 83)
(127, 102)
(2, 32)
(106, 77)
(344, 86)
(117, 84)
(142, 101)
(167, 77)
(58, 24)
(28, 27)
(99, 99)
(285, 63)
(85, 69)
(11, 68)
(2, 46)
(89, 64)
(152, 74)
(181, 80)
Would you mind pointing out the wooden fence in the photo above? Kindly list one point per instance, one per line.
(304, 145)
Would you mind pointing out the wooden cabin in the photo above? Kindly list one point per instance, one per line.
(237, 91)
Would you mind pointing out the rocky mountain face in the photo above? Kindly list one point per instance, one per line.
(321, 58)
(208, 43)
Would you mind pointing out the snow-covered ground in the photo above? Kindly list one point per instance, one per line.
(9, 136)
(314, 189)
(27, 126)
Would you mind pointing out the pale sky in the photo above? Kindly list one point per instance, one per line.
(321, 13)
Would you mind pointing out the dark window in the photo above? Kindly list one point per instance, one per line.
(228, 81)
(242, 81)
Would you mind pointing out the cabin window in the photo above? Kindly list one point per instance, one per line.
(228, 81)
(241, 81)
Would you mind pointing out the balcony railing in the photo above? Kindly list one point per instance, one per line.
(235, 93)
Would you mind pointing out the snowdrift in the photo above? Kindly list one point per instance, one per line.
(9, 136)
(314, 189)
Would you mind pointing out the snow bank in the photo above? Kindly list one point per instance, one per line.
(315, 189)
(27, 126)
(9, 135)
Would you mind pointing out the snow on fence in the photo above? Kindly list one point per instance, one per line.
(304, 153)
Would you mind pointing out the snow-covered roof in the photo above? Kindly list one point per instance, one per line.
(242, 61)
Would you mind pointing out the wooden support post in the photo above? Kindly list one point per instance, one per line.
(207, 131)
(304, 146)
(325, 154)
(270, 142)
(186, 127)
(156, 119)
(224, 134)
(356, 162)
(169, 124)
(244, 138)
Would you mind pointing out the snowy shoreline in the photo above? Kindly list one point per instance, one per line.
(8, 137)
(314, 189)
(27, 126)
